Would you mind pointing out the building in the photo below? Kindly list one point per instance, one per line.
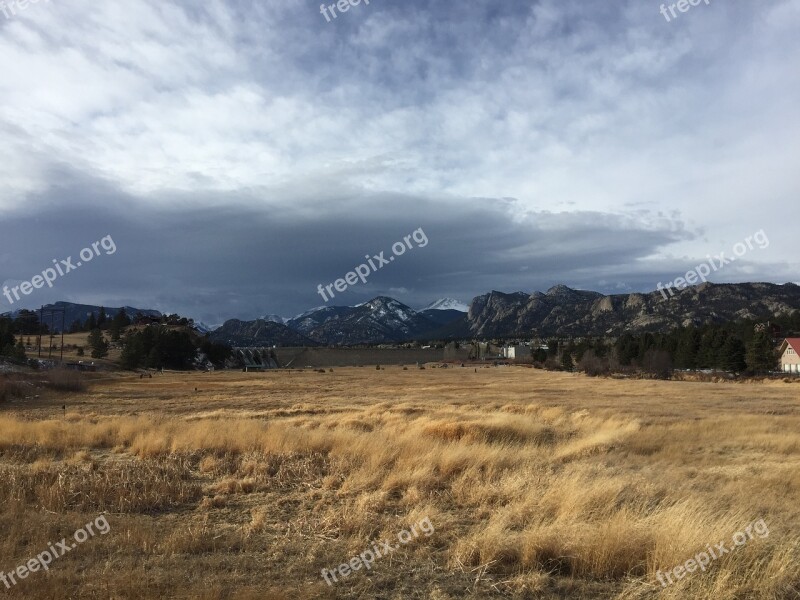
(515, 352)
(790, 355)
(147, 320)
(255, 359)
(80, 366)
(773, 329)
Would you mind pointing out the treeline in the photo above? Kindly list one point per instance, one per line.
(157, 347)
(114, 325)
(740, 347)
(10, 347)
(11, 331)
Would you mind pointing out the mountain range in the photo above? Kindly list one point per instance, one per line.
(567, 312)
(561, 311)
(80, 312)
(381, 320)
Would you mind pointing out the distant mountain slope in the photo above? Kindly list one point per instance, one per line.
(457, 329)
(447, 304)
(442, 316)
(259, 333)
(275, 319)
(202, 328)
(80, 312)
(314, 318)
(379, 320)
(564, 311)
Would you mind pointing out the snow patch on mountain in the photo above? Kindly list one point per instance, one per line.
(447, 304)
(308, 313)
(201, 327)
(275, 319)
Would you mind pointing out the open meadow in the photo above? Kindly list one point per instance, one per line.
(531, 484)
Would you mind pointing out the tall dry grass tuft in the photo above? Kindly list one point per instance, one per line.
(65, 380)
(139, 487)
(11, 387)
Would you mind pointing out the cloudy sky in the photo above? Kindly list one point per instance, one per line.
(242, 153)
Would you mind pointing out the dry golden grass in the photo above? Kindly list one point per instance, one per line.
(539, 485)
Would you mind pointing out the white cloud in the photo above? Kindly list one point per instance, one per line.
(563, 105)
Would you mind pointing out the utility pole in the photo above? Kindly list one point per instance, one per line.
(41, 310)
(51, 312)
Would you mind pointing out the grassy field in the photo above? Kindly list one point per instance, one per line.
(535, 484)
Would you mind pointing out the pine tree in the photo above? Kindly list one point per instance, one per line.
(733, 355)
(123, 318)
(566, 361)
(98, 345)
(129, 359)
(761, 356)
(115, 330)
(686, 352)
(118, 323)
(101, 318)
(19, 351)
(627, 349)
(7, 339)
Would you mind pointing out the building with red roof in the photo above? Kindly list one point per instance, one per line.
(790, 355)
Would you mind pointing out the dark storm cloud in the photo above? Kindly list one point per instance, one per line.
(237, 260)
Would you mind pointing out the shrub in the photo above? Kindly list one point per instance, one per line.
(66, 381)
(592, 365)
(658, 364)
(10, 388)
(552, 364)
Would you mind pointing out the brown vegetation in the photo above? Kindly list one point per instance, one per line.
(539, 485)
(65, 380)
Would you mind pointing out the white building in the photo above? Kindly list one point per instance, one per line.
(790, 355)
(514, 352)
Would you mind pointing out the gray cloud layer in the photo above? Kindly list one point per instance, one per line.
(240, 153)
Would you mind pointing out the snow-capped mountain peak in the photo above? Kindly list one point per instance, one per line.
(201, 327)
(308, 313)
(275, 319)
(448, 304)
